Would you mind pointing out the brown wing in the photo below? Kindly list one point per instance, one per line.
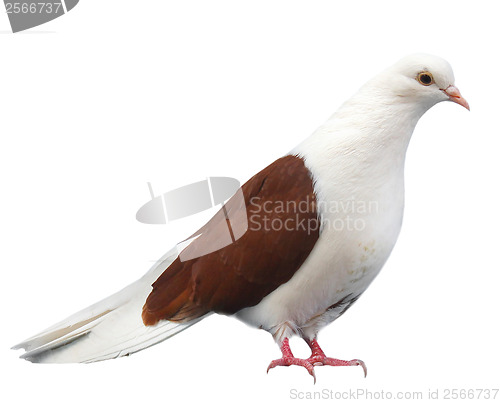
(283, 227)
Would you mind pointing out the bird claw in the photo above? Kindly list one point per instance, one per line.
(361, 364)
(287, 361)
(333, 362)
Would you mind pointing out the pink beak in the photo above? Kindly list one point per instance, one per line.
(455, 96)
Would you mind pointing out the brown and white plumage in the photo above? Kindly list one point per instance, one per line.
(293, 278)
(242, 273)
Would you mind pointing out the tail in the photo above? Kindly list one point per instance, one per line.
(109, 329)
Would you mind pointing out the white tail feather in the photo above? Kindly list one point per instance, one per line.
(108, 329)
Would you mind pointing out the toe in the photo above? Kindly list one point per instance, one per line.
(287, 361)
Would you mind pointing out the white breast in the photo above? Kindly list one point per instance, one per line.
(360, 195)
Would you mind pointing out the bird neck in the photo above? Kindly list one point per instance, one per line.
(362, 146)
(374, 124)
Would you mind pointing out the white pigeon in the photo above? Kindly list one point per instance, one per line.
(318, 225)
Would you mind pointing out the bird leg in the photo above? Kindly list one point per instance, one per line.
(288, 359)
(318, 357)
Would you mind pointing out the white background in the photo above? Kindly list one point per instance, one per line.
(117, 93)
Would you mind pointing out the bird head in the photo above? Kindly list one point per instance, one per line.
(425, 79)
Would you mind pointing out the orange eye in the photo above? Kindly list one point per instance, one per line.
(425, 78)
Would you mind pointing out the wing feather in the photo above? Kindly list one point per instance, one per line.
(282, 220)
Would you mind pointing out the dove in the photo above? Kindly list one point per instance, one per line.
(308, 235)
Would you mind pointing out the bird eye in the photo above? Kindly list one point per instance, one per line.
(425, 78)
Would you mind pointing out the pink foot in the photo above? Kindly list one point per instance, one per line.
(318, 357)
(288, 359)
